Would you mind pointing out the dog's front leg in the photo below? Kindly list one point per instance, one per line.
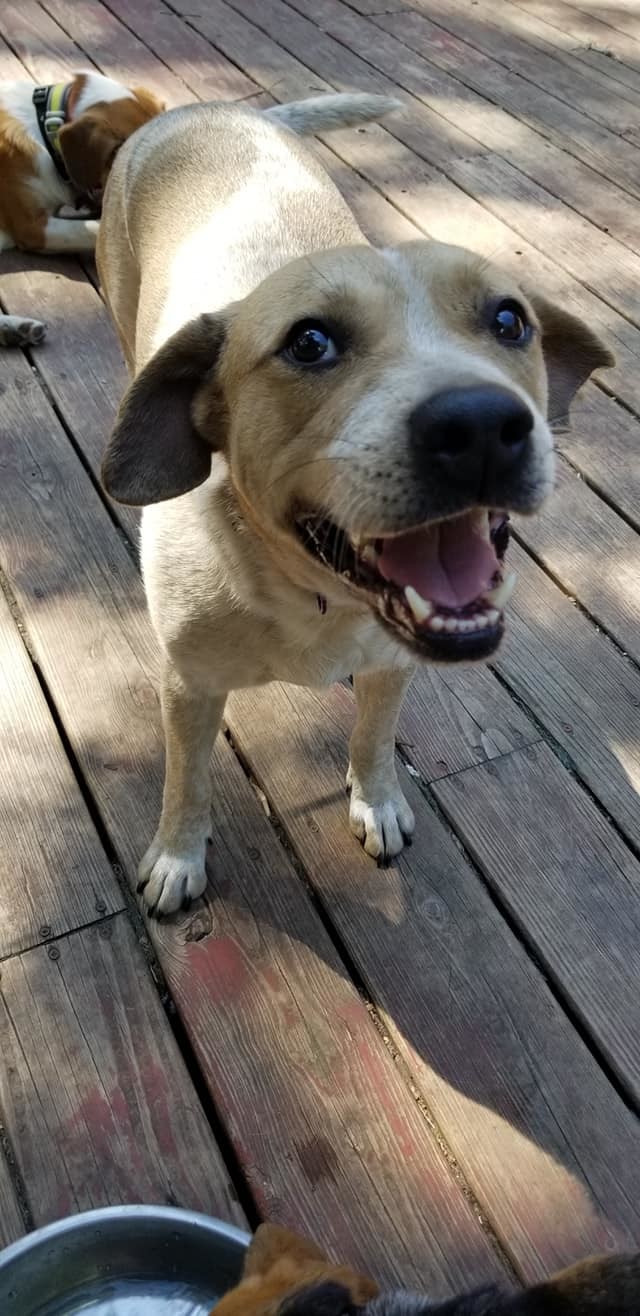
(379, 814)
(172, 873)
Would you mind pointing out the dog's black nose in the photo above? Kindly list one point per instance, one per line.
(471, 436)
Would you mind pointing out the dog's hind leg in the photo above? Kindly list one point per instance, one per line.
(16, 331)
(172, 872)
(379, 814)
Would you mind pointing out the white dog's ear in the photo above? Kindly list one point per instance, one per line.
(159, 447)
(572, 351)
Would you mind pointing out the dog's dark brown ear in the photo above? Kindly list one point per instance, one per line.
(158, 447)
(323, 1299)
(572, 351)
(87, 146)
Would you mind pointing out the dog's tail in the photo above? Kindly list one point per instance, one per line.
(320, 114)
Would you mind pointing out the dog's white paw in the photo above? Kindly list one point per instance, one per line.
(384, 828)
(169, 880)
(18, 332)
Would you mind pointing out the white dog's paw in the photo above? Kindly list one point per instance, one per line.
(169, 880)
(15, 331)
(384, 828)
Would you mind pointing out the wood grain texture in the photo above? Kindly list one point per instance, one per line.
(486, 33)
(593, 552)
(47, 52)
(11, 1220)
(342, 1152)
(80, 361)
(510, 1084)
(436, 76)
(97, 1102)
(116, 50)
(54, 874)
(573, 130)
(337, 1146)
(201, 67)
(570, 883)
(583, 690)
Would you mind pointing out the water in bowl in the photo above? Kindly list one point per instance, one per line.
(132, 1297)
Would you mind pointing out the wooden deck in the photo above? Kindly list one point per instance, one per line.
(435, 1068)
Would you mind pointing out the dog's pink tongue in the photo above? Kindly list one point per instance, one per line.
(451, 563)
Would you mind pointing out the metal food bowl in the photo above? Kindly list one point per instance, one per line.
(122, 1261)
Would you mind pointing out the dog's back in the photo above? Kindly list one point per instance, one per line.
(210, 199)
(601, 1286)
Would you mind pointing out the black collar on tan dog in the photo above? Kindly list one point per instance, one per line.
(51, 108)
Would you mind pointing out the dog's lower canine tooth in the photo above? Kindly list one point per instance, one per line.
(502, 593)
(421, 608)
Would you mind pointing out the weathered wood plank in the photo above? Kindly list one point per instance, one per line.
(200, 66)
(116, 50)
(603, 27)
(455, 716)
(579, 133)
(340, 1149)
(539, 33)
(80, 360)
(46, 51)
(54, 874)
(582, 689)
(509, 1083)
(593, 552)
(570, 883)
(11, 1221)
(486, 32)
(317, 1165)
(432, 76)
(97, 1101)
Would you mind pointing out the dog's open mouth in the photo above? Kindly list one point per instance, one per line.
(441, 587)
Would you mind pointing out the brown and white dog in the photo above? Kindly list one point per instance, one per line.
(57, 145)
(332, 435)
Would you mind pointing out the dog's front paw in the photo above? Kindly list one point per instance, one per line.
(169, 880)
(384, 827)
(17, 332)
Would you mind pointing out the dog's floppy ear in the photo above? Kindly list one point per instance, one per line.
(327, 1298)
(157, 449)
(271, 1243)
(88, 145)
(572, 351)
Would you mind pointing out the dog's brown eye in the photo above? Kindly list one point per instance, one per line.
(510, 322)
(310, 344)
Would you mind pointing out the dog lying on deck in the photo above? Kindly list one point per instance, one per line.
(327, 439)
(286, 1276)
(57, 145)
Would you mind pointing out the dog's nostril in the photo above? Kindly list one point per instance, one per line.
(517, 428)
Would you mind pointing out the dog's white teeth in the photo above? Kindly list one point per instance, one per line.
(420, 608)
(436, 624)
(499, 596)
(493, 616)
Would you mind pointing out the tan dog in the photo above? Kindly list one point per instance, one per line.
(57, 145)
(349, 428)
(279, 1265)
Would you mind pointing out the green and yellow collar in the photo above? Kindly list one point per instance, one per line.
(51, 104)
